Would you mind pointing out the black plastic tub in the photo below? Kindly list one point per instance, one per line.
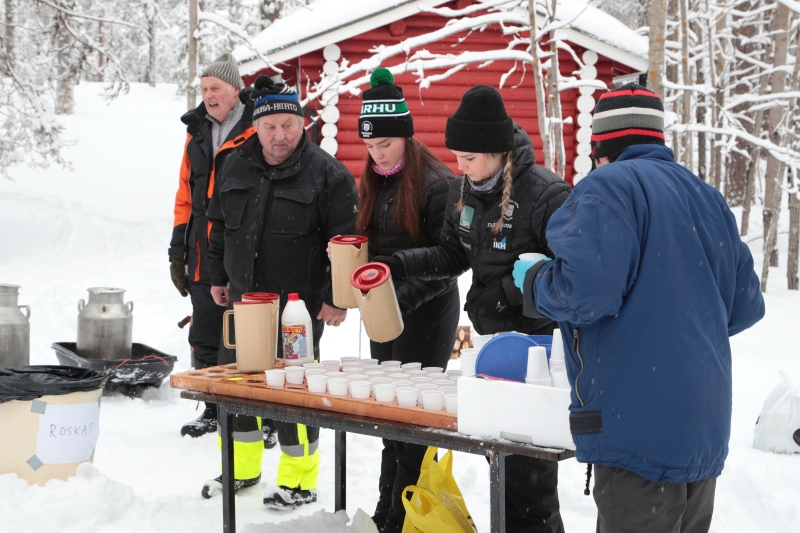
(146, 368)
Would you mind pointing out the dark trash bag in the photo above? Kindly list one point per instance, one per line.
(30, 382)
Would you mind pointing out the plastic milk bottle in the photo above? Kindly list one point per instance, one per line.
(297, 332)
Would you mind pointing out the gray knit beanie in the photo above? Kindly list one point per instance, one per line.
(226, 69)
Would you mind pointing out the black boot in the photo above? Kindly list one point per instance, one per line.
(270, 436)
(205, 423)
(213, 487)
(286, 499)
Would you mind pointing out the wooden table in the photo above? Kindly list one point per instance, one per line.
(234, 395)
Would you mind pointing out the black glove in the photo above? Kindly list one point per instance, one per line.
(489, 301)
(177, 270)
(394, 264)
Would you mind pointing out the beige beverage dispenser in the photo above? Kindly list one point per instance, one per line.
(256, 320)
(372, 286)
(348, 252)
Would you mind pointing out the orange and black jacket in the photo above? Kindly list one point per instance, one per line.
(191, 228)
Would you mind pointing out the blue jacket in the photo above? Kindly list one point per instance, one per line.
(650, 279)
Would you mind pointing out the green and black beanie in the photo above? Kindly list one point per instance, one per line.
(271, 98)
(480, 124)
(624, 117)
(384, 112)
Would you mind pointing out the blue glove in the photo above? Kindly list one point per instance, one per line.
(522, 266)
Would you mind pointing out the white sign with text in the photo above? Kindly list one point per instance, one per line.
(68, 433)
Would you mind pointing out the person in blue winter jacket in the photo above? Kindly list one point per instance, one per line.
(649, 281)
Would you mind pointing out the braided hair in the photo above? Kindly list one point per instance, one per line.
(508, 188)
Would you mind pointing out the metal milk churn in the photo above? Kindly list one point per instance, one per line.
(15, 330)
(348, 252)
(373, 287)
(105, 325)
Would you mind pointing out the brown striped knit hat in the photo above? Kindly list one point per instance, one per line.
(624, 117)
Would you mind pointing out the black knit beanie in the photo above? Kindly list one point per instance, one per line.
(480, 124)
(270, 98)
(384, 112)
(624, 117)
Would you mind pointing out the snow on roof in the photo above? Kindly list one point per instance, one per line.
(325, 22)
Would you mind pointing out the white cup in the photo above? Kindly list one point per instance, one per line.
(433, 369)
(350, 360)
(337, 386)
(432, 400)
(331, 366)
(421, 379)
(312, 371)
(355, 369)
(313, 365)
(384, 392)
(378, 381)
(415, 373)
(411, 366)
(451, 403)
(275, 377)
(374, 373)
(317, 382)
(537, 364)
(360, 389)
(449, 390)
(357, 377)
(468, 352)
(403, 383)
(422, 387)
(336, 374)
(560, 378)
(392, 369)
(369, 362)
(406, 396)
(398, 376)
(530, 256)
(541, 382)
(478, 341)
(295, 374)
(557, 350)
(391, 363)
(453, 373)
(443, 383)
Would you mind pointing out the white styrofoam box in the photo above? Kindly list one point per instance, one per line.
(519, 412)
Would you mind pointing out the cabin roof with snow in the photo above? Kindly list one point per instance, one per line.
(325, 22)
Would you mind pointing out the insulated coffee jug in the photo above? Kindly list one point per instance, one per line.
(256, 322)
(348, 252)
(105, 325)
(15, 330)
(373, 288)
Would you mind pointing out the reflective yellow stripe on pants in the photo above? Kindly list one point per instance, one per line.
(248, 446)
(299, 463)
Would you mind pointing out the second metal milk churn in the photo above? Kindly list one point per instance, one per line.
(105, 325)
(15, 330)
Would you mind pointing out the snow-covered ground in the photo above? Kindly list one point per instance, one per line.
(108, 223)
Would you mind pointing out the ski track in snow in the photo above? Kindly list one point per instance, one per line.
(108, 223)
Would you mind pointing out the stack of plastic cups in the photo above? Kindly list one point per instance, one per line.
(558, 369)
(468, 358)
(538, 373)
(479, 340)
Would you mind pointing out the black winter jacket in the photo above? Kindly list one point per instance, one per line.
(306, 200)
(190, 230)
(385, 238)
(494, 303)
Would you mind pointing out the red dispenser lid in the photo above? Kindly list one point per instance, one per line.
(354, 240)
(260, 296)
(369, 276)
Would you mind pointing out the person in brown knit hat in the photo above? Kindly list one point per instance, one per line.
(496, 211)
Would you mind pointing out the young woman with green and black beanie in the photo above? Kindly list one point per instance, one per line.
(403, 193)
(496, 211)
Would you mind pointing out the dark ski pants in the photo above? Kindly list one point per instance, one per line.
(206, 327)
(428, 336)
(628, 503)
(532, 496)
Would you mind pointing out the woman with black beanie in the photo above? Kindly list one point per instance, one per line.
(496, 211)
(403, 193)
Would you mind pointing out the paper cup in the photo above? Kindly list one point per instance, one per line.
(443, 383)
(478, 341)
(398, 376)
(433, 369)
(350, 360)
(360, 389)
(378, 381)
(391, 363)
(295, 375)
(313, 365)
(351, 369)
(374, 373)
(421, 379)
(331, 366)
(335, 374)
(317, 382)
(416, 373)
(406, 396)
(337, 386)
(557, 350)
(449, 390)
(537, 364)
(540, 382)
(275, 377)
(453, 373)
(403, 383)
(411, 366)
(312, 371)
(451, 403)
(432, 400)
(560, 379)
(422, 387)
(384, 392)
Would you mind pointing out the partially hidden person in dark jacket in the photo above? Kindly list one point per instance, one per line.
(650, 277)
(403, 198)
(211, 130)
(498, 210)
(277, 202)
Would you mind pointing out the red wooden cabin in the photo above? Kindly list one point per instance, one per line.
(336, 30)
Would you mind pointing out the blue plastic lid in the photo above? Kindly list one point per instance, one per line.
(505, 357)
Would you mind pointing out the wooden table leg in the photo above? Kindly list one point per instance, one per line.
(228, 494)
(340, 469)
(497, 491)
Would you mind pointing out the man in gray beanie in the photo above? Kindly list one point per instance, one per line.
(221, 117)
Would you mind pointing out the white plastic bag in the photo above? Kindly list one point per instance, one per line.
(778, 427)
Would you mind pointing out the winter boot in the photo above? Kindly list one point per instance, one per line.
(270, 436)
(286, 499)
(213, 487)
(205, 423)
